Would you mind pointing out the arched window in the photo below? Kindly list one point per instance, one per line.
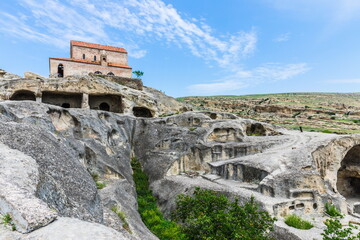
(60, 71)
(83, 56)
(110, 74)
(104, 59)
(104, 106)
(94, 58)
(98, 72)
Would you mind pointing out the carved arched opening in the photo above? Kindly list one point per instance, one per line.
(110, 74)
(348, 176)
(65, 105)
(104, 106)
(23, 95)
(98, 73)
(60, 70)
(142, 112)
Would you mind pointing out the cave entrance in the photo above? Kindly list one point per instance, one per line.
(23, 95)
(256, 129)
(142, 112)
(348, 176)
(65, 100)
(106, 102)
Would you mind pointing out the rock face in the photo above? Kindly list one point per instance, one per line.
(100, 92)
(48, 155)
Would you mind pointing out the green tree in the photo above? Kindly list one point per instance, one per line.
(210, 216)
(138, 73)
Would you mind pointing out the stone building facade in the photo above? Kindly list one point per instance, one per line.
(93, 58)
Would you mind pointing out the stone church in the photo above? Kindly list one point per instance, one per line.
(93, 58)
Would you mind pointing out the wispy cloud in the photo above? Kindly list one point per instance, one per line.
(344, 81)
(94, 20)
(282, 37)
(135, 23)
(240, 79)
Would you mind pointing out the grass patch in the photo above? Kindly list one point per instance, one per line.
(122, 217)
(6, 220)
(150, 214)
(99, 184)
(332, 211)
(297, 222)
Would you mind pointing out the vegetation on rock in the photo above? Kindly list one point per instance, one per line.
(297, 222)
(332, 211)
(138, 73)
(336, 231)
(6, 220)
(150, 214)
(122, 217)
(208, 215)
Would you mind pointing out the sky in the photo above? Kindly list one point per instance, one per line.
(197, 47)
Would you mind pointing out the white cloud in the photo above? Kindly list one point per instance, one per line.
(134, 23)
(344, 81)
(217, 87)
(240, 79)
(282, 37)
(111, 21)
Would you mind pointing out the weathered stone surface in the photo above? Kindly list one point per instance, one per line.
(71, 228)
(287, 171)
(31, 75)
(73, 89)
(19, 177)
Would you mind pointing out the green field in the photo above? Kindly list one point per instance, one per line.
(321, 112)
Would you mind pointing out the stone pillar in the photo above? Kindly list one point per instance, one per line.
(39, 99)
(85, 101)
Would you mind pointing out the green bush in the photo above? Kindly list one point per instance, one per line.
(210, 216)
(336, 231)
(297, 222)
(332, 211)
(151, 216)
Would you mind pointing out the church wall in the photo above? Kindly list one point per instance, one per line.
(112, 57)
(76, 68)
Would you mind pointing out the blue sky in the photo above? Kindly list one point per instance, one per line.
(197, 47)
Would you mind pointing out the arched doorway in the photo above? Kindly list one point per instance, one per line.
(348, 176)
(142, 112)
(23, 95)
(104, 106)
(60, 70)
(65, 105)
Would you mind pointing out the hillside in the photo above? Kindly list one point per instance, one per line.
(320, 112)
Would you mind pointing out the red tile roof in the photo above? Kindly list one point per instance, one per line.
(90, 62)
(97, 46)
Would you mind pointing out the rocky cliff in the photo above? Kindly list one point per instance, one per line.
(51, 158)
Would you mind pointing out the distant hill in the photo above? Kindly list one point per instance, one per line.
(321, 112)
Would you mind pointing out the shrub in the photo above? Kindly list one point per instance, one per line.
(332, 211)
(151, 216)
(335, 230)
(209, 216)
(297, 222)
(138, 73)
